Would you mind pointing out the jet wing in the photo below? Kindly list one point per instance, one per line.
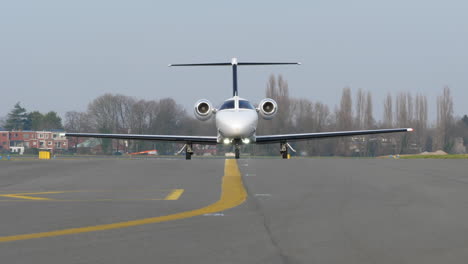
(306, 136)
(172, 138)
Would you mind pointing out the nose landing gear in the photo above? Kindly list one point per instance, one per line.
(237, 151)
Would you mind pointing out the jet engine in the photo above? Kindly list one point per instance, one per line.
(203, 110)
(267, 108)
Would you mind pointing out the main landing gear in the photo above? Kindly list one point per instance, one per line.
(188, 151)
(284, 150)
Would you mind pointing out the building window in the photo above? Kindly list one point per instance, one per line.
(34, 143)
(50, 143)
(41, 144)
(26, 135)
(57, 144)
(41, 135)
(16, 134)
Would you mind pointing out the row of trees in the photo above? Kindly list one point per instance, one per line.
(123, 114)
(111, 113)
(404, 109)
(20, 119)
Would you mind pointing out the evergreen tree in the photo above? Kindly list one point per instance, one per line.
(17, 119)
(36, 120)
(51, 121)
(465, 120)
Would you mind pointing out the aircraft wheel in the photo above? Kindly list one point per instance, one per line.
(188, 155)
(284, 154)
(237, 153)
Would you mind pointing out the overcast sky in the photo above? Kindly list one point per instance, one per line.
(59, 55)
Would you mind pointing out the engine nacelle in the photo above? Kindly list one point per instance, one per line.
(203, 110)
(267, 108)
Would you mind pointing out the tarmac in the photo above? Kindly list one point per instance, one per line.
(328, 210)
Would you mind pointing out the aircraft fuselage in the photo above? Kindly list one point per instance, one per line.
(236, 121)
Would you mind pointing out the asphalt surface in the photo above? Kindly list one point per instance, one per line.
(297, 211)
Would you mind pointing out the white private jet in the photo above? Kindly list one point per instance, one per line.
(236, 121)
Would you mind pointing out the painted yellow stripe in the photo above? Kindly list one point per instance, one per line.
(27, 197)
(174, 195)
(24, 197)
(33, 193)
(232, 194)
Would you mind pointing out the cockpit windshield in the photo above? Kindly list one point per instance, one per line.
(227, 105)
(244, 104)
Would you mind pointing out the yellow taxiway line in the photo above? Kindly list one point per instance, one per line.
(174, 195)
(27, 197)
(233, 194)
(24, 197)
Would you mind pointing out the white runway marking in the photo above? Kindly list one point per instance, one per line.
(214, 214)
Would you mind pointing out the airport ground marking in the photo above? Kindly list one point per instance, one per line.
(262, 195)
(233, 193)
(26, 196)
(174, 194)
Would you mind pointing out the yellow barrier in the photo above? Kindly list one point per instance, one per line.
(44, 155)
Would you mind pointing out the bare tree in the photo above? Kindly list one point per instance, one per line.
(445, 120)
(78, 122)
(420, 120)
(368, 115)
(278, 90)
(402, 110)
(345, 112)
(344, 119)
(388, 111)
(410, 108)
(360, 108)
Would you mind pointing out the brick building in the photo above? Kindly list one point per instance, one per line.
(4, 140)
(19, 141)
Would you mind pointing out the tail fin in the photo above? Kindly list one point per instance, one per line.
(234, 63)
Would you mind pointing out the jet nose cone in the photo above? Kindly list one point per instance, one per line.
(231, 128)
(236, 125)
(236, 129)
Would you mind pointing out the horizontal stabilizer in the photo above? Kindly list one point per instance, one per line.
(234, 63)
(202, 64)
